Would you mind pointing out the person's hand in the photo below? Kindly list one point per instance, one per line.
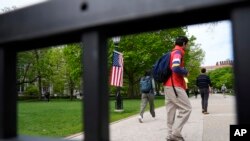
(155, 93)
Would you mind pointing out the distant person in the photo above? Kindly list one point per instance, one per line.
(204, 83)
(147, 88)
(175, 91)
(47, 95)
(223, 90)
(215, 90)
(196, 91)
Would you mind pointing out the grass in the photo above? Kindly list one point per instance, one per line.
(55, 118)
(61, 118)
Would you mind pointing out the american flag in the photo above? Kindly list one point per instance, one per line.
(117, 69)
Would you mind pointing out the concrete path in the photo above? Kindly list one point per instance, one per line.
(211, 127)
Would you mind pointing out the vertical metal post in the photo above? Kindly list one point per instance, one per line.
(96, 116)
(8, 94)
(241, 29)
(119, 101)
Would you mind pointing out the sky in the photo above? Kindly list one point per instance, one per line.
(214, 38)
(17, 3)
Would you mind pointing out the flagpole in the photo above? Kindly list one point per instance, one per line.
(119, 102)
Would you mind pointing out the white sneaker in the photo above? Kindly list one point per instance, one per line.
(140, 119)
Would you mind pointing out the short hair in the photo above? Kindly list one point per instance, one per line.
(181, 40)
(203, 70)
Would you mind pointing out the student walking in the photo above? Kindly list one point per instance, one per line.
(176, 98)
(195, 91)
(204, 84)
(223, 90)
(147, 87)
(47, 95)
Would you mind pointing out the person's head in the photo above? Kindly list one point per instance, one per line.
(203, 70)
(181, 41)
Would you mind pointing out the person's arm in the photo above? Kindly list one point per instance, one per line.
(209, 81)
(153, 85)
(176, 62)
(210, 90)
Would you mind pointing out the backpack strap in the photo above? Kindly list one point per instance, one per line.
(172, 80)
(173, 86)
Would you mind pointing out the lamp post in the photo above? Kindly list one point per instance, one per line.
(119, 102)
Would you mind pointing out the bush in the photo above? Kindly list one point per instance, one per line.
(31, 90)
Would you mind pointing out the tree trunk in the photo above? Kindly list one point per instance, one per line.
(132, 88)
(71, 88)
(39, 75)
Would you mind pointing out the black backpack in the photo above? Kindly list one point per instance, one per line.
(161, 69)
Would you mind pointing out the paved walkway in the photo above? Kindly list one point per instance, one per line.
(212, 127)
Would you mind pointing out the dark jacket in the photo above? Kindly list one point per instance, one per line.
(203, 81)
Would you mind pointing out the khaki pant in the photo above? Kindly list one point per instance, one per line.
(173, 103)
(145, 98)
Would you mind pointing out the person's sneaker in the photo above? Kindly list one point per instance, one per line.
(205, 113)
(174, 138)
(203, 110)
(140, 119)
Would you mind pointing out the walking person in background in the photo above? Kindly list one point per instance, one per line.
(47, 95)
(223, 90)
(175, 91)
(204, 83)
(196, 91)
(147, 87)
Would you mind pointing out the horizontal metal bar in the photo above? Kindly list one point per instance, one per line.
(62, 21)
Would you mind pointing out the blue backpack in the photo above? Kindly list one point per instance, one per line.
(145, 84)
(161, 69)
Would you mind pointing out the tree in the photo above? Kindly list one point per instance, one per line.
(57, 69)
(193, 60)
(33, 67)
(51, 67)
(222, 76)
(73, 70)
(140, 52)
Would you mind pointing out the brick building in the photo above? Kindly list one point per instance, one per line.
(219, 64)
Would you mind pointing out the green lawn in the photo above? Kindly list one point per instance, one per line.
(61, 118)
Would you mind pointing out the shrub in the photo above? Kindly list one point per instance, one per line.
(31, 90)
